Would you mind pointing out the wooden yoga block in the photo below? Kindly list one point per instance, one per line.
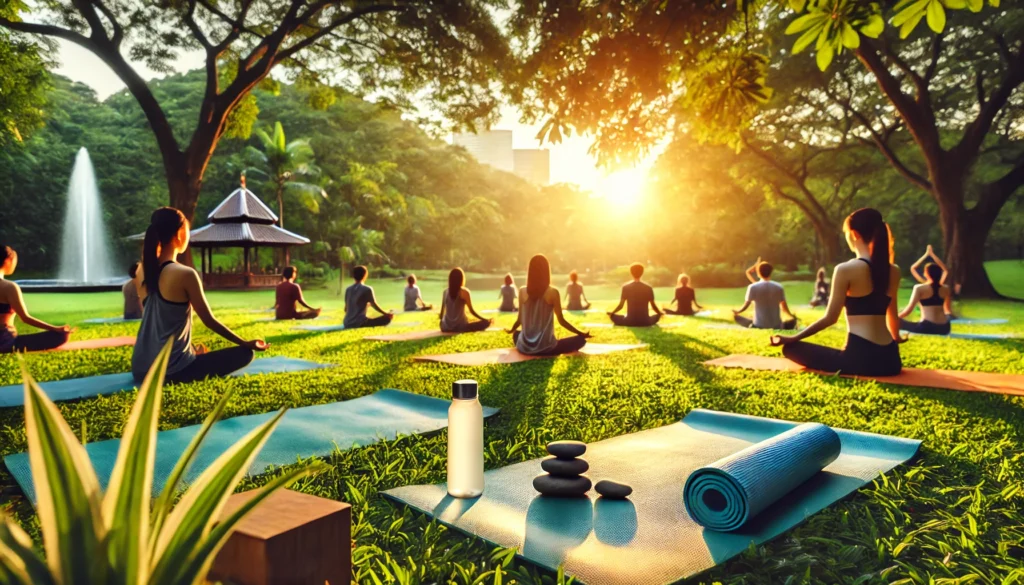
(290, 539)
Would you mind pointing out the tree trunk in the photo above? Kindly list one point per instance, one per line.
(280, 205)
(184, 196)
(964, 235)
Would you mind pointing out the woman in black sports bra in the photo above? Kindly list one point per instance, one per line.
(11, 304)
(867, 287)
(935, 299)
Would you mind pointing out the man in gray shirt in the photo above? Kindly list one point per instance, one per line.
(637, 296)
(357, 298)
(768, 298)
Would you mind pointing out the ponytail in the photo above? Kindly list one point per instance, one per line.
(456, 280)
(868, 223)
(164, 224)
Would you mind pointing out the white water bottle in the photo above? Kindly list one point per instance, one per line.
(465, 441)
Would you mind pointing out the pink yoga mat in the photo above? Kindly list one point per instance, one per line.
(1009, 384)
(417, 335)
(507, 355)
(96, 343)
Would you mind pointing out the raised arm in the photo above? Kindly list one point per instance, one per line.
(836, 300)
(915, 268)
(750, 272)
(18, 305)
(197, 298)
(938, 262)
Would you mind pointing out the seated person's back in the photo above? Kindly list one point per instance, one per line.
(639, 296)
(508, 298)
(684, 299)
(286, 295)
(130, 291)
(766, 296)
(357, 298)
(412, 294)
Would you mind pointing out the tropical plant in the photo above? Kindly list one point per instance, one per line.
(284, 164)
(123, 537)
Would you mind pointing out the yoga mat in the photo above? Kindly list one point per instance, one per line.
(101, 343)
(311, 431)
(955, 335)
(1009, 384)
(512, 356)
(324, 328)
(649, 538)
(979, 321)
(70, 389)
(662, 324)
(418, 335)
(112, 320)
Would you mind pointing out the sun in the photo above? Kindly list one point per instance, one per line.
(624, 189)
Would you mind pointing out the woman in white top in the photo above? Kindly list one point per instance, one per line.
(539, 305)
(413, 299)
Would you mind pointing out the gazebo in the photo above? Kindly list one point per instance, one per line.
(242, 221)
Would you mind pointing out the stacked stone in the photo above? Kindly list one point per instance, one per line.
(565, 469)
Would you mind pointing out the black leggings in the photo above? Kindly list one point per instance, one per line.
(924, 327)
(578, 306)
(374, 322)
(859, 357)
(39, 341)
(564, 345)
(214, 364)
(471, 327)
(745, 322)
(624, 321)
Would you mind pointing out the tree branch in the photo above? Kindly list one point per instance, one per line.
(974, 134)
(118, 35)
(351, 16)
(933, 65)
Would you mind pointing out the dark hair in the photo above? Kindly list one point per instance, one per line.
(456, 280)
(764, 269)
(411, 279)
(164, 224)
(573, 276)
(133, 270)
(636, 269)
(821, 274)
(359, 273)
(684, 279)
(934, 272)
(538, 276)
(288, 272)
(508, 279)
(7, 252)
(868, 223)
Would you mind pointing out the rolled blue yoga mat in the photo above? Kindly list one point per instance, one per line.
(726, 494)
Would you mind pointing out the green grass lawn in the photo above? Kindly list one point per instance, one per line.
(954, 515)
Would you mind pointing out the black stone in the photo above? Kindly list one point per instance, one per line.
(564, 467)
(567, 449)
(562, 487)
(613, 489)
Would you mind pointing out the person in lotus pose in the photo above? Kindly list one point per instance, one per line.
(954, 292)
(768, 297)
(13, 303)
(575, 297)
(130, 292)
(358, 297)
(287, 295)
(413, 298)
(820, 297)
(685, 299)
(455, 301)
(172, 292)
(636, 296)
(866, 286)
(934, 299)
(508, 295)
(539, 306)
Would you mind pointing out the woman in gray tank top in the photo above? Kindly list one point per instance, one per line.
(508, 295)
(172, 292)
(577, 299)
(539, 305)
(454, 303)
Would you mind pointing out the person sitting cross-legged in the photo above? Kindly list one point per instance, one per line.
(287, 295)
(685, 299)
(637, 296)
(455, 301)
(539, 306)
(935, 299)
(768, 297)
(508, 295)
(358, 297)
(130, 292)
(13, 303)
(413, 298)
(576, 299)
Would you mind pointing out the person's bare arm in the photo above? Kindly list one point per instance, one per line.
(938, 262)
(515, 326)
(695, 303)
(622, 302)
(468, 297)
(654, 304)
(443, 306)
(197, 298)
(373, 303)
(750, 272)
(302, 301)
(785, 308)
(19, 308)
(947, 305)
(915, 268)
(553, 299)
(915, 297)
(746, 305)
(836, 301)
(892, 319)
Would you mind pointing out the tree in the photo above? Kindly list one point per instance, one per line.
(451, 48)
(284, 163)
(23, 87)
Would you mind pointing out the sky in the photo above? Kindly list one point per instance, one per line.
(570, 162)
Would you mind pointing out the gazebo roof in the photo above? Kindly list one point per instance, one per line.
(216, 235)
(242, 206)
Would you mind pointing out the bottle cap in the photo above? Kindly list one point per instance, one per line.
(464, 390)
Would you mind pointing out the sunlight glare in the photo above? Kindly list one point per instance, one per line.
(624, 189)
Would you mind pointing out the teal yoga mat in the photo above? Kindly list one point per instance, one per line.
(73, 388)
(103, 320)
(975, 336)
(311, 431)
(979, 321)
(649, 538)
(320, 328)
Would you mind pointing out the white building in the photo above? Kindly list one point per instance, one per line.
(532, 164)
(492, 147)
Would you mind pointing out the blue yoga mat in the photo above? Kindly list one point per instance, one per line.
(976, 336)
(650, 538)
(112, 320)
(57, 390)
(323, 328)
(979, 321)
(311, 431)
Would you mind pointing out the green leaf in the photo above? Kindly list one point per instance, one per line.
(936, 16)
(824, 57)
(19, 563)
(908, 26)
(806, 39)
(916, 9)
(993, 3)
(797, 5)
(126, 503)
(958, 4)
(823, 38)
(806, 21)
(67, 491)
(873, 26)
(850, 38)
